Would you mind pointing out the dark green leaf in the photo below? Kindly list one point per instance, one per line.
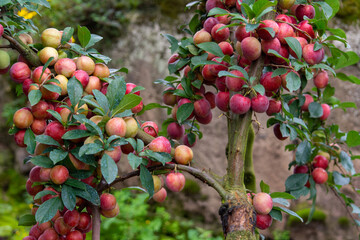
(57, 155)
(129, 101)
(259, 89)
(90, 148)
(174, 43)
(147, 180)
(339, 179)
(44, 193)
(89, 125)
(288, 211)
(276, 214)
(347, 162)
(303, 153)
(295, 45)
(194, 23)
(93, 40)
(68, 197)
(76, 134)
(27, 219)
(88, 159)
(42, 161)
(109, 169)
(47, 140)
(282, 195)
(84, 36)
(29, 140)
(157, 156)
(211, 47)
(184, 111)
(101, 100)
(281, 201)
(217, 11)
(75, 183)
(353, 139)
(67, 34)
(293, 81)
(34, 97)
(296, 181)
(278, 72)
(315, 110)
(89, 194)
(264, 187)
(48, 209)
(348, 59)
(75, 90)
(55, 114)
(134, 160)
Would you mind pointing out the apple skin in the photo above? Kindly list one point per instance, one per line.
(301, 169)
(286, 4)
(160, 196)
(277, 132)
(259, 103)
(65, 66)
(59, 174)
(51, 37)
(305, 10)
(274, 107)
(308, 28)
(201, 37)
(19, 72)
(313, 57)
(321, 79)
(326, 111)
(235, 83)
(23, 118)
(319, 175)
(263, 221)
(271, 84)
(263, 203)
(222, 100)
(222, 35)
(175, 182)
(251, 48)
(183, 154)
(308, 99)
(150, 128)
(263, 33)
(160, 144)
(240, 104)
(175, 130)
(320, 162)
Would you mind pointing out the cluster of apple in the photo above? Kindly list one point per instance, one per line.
(269, 37)
(317, 168)
(263, 205)
(53, 114)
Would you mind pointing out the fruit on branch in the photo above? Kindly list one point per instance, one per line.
(319, 175)
(82, 76)
(107, 201)
(277, 132)
(19, 72)
(158, 183)
(186, 141)
(160, 196)
(59, 174)
(33, 190)
(308, 99)
(235, 83)
(138, 108)
(321, 79)
(220, 35)
(326, 111)
(49, 234)
(114, 154)
(175, 181)
(26, 38)
(51, 37)
(260, 103)
(240, 104)
(116, 126)
(301, 169)
(202, 108)
(75, 235)
(209, 24)
(160, 144)
(4, 60)
(72, 218)
(150, 128)
(305, 10)
(183, 154)
(210, 4)
(23, 118)
(84, 221)
(285, 30)
(202, 36)
(65, 66)
(175, 130)
(286, 4)
(131, 127)
(86, 64)
(251, 48)
(63, 84)
(226, 48)
(130, 87)
(274, 107)
(222, 100)
(38, 76)
(61, 227)
(44, 174)
(46, 53)
(311, 56)
(271, 84)
(308, 28)
(267, 26)
(320, 162)
(263, 221)
(273, 44)
(168, 97)
(263, 203)
(1, 30)
(101, 71)
(110, 213)
(241, 33)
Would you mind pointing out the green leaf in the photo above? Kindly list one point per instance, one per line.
(315, 110)
(116, 91)
(264, 187)
(288, 211)
(75, 90)
(282, 195)
(93, 40)
(348, 59)
(67, 34)
(217, 11)
(276, 214)
(134, 160)
(161, 157)
(349, 78)
(68, 197)
(57, 155)
(251, 27)
(293, 81)
(194, 23)
(339, 179)
(346, 162)
(52, 88)
(48, 209)
(278, 72)
(5, 2)
(211, 47)
(281, 201)
(101, 100)
(262, 5)
(42, 161)
(84, 36)
(295, 45)
(29, 140)
(296, 181)
(90, 125)
(47, 140)
(129, 101)
(75, 183)
(89, 194)
(275, 53)
(55, 114)
(147, 180)
(327, 10)
(184, 111)
(34, 97)
(335, 5)
(173, 42)
(353, 138)
(44, 193)
(27, 219)
(109, 169)
(323, 66)
(76, 134)
(90, 148)
(259, 89)
(303, 153)
(88, 159)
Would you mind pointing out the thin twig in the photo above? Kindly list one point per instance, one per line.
(6, 46)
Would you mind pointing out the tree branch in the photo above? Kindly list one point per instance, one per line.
(96, 222)
(23, 49)
(249, 175)
(6, 46)
(199, 174)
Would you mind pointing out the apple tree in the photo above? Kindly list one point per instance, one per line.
(244, 57)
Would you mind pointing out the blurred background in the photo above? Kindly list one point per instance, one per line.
(132, 38)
